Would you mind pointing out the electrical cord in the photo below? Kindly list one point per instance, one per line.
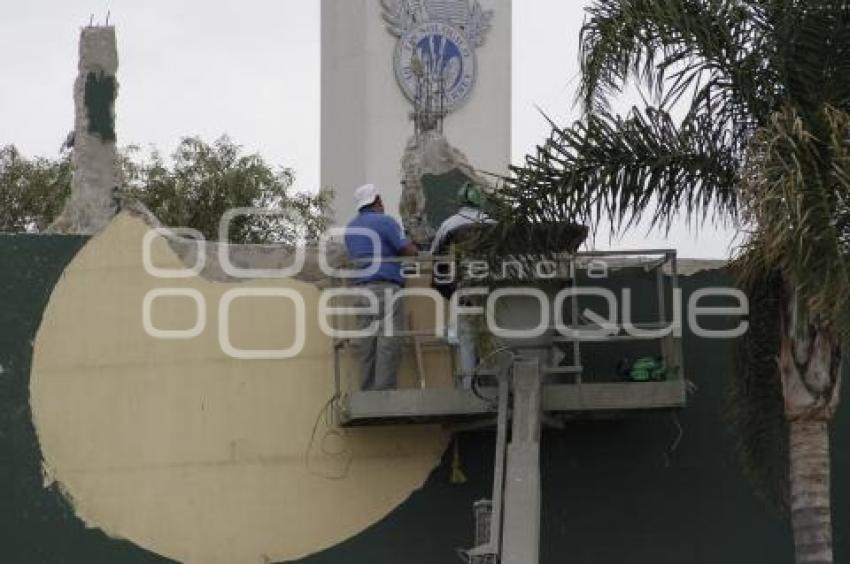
(691, 389)
(668, 454)
(476, 384)
(328, 413)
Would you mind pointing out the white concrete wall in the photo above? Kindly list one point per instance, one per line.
(365, 122)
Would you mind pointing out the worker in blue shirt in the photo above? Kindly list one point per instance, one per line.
(380, 353)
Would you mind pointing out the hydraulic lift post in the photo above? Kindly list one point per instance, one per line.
(521, 525)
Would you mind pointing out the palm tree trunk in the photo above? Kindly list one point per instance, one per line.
(810, 366)
(810, 491)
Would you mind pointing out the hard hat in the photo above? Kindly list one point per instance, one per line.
(366, 195)
(470, 194)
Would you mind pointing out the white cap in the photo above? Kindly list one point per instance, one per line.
(366, 195)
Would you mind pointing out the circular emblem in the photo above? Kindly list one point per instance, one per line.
(438, 56)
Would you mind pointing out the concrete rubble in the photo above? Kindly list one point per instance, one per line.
(428, 152)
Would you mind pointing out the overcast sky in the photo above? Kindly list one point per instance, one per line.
(251, 69)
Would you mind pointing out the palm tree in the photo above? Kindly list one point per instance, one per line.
(764, 143)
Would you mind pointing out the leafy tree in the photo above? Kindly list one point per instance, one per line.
(201, 182)
(765, 144)
(206, 180)
(32, 191)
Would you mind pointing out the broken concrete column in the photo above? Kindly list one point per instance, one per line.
(432, 173)
(93, 202)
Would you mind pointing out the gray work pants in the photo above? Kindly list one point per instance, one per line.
(380, 355)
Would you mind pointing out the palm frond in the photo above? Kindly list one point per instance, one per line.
(796, 193)
(713, 48)
(622, 168)
(811, 54)
(755, 407)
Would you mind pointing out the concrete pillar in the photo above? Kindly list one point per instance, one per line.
(92, 203)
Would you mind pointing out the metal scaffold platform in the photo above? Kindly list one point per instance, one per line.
(448, 404)
(570, 385)
(587, 366)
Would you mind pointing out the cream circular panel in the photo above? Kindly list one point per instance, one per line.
(192, 454)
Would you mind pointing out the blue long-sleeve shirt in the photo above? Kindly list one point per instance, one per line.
(392, 242)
